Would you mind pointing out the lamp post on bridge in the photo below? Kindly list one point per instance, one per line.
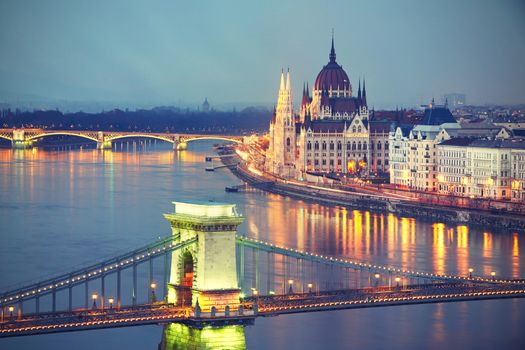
(310, 285)
(377, 277)
(290, 289)
(94, 296)
(398, 279)
(153, 297)
(470, 270)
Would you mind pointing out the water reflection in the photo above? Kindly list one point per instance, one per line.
(180, 336)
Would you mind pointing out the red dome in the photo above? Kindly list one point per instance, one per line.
(332, 75)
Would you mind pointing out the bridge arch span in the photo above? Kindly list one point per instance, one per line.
(6, 137)
(211, 137)
(157, 137)
(85, 136)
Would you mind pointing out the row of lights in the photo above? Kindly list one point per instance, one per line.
(492, 274)
(78, 278)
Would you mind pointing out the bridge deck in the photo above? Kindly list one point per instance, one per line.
(86, 319)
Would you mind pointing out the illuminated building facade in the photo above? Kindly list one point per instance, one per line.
(482, 168)
(331, 133)
(413, 149)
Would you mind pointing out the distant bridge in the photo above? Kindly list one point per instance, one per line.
(24, 138)
(210, 275)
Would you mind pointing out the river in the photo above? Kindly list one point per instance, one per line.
(60, 209)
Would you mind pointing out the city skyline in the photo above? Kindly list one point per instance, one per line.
(132, 54)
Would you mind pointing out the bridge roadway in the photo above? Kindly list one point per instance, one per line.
(273, 305)
(22, 138)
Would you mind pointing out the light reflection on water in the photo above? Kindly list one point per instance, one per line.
(76, 206)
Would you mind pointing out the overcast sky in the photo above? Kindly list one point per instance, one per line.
(166, 52)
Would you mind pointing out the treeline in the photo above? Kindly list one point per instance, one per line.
(160, 119)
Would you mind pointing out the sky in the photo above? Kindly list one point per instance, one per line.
(177, 52)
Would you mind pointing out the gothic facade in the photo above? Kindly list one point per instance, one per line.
(333, 131)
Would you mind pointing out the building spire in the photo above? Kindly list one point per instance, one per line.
(281, 87)
(288, 81)
(364, 93)
(359, 91)
(332, 51)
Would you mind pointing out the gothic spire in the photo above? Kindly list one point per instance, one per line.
(288, 81)
(281, 87)
(332, 51)
(359, 91)
(364, 93)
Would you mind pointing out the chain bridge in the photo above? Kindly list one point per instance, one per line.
(204, 273)
(25, 138)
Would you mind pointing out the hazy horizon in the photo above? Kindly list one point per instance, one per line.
(165, 53)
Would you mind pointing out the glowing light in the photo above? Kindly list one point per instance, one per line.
(377, 275)
(290, 282)
(11, 308)
(153, 285)
(94, 296)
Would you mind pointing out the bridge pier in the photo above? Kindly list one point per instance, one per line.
(205, 271)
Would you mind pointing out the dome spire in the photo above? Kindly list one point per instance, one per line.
(332, 51)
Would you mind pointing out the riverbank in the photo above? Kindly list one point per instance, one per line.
(331, 196)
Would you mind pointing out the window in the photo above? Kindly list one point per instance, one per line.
(359, 146)
(386, 145)
(364, 146)
(348, 146)
(309, 146)
(353, 146)
(316, 146)
(324, 145)
(288, 142)
(339, 145)
(331, 145)
(359, 129)
(353, 129)
(378, 144)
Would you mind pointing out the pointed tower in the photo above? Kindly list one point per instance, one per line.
(281, 153)
(364, 94)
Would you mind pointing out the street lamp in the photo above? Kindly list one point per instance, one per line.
(398, 279)
(111, 301)
(377, 277)
(153, 285)
(94, 296)
(493, 274)
(309, 285)
(470, 270)
(290, 283)
(11, 308)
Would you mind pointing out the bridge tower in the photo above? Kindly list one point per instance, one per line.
(102, 143)
(206, 269)
(19, 139)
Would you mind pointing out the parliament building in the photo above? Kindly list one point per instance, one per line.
(332, 132)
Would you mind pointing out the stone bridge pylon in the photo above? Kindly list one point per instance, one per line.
(204, 272)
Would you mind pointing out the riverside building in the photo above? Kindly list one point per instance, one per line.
(331, 133)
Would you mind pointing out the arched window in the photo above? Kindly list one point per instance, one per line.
(378, 145)
(353, 129)
(324, 145)
(339, 145)
(386, 145)
(372, 145)
(288, 142)
(359, 129)
(309, 146)
(364, 146)
(316, 145)
(353, 146)
(331, 145)
(359, 146)
(348, 146)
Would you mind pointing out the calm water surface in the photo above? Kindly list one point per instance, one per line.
(60, 209)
